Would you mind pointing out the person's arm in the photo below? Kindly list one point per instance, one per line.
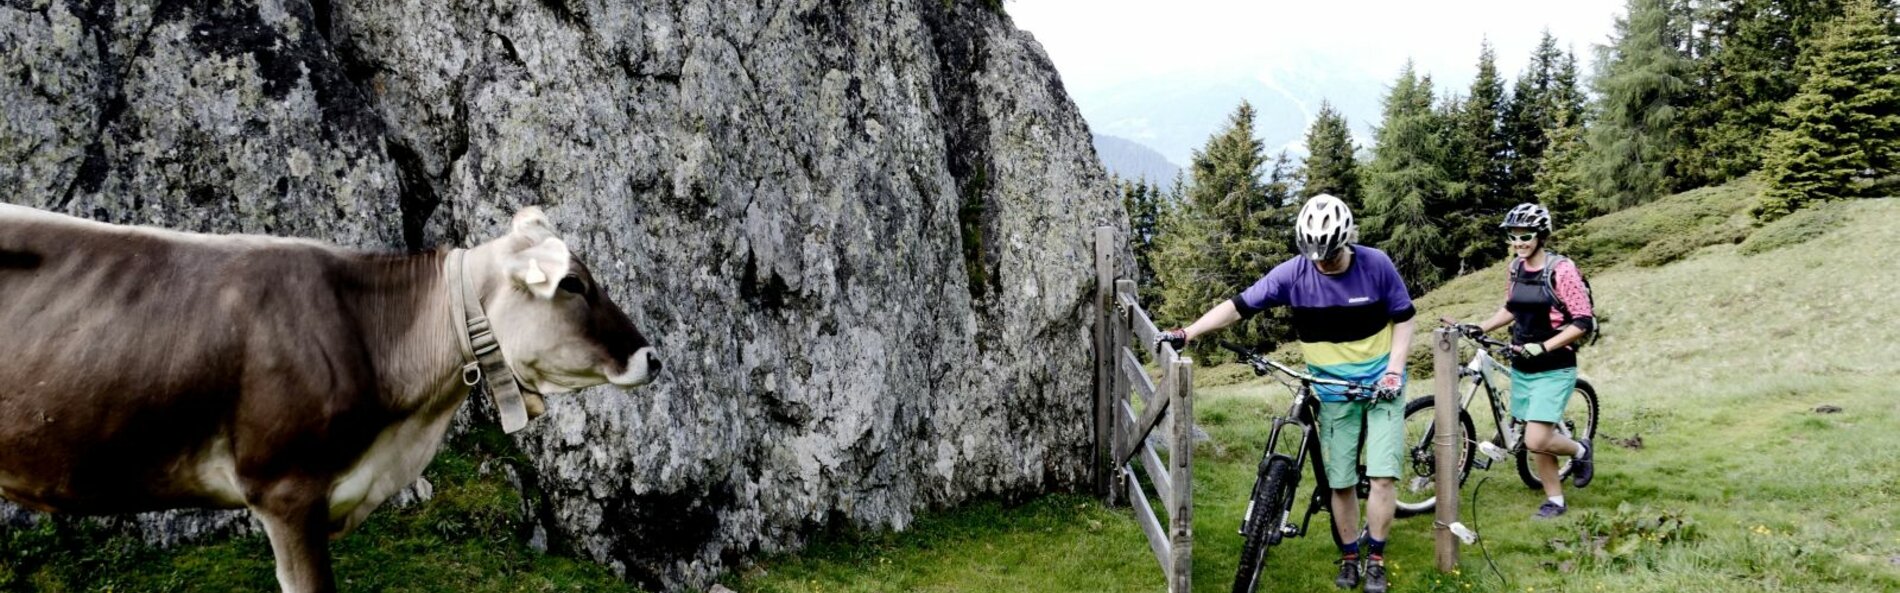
(1401, 346)
(1220, 316)
(1563, 338)
(1497, 320)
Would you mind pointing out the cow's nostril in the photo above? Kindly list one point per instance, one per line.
(655, 362)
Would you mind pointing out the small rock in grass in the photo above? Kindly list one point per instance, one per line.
(1827, 409)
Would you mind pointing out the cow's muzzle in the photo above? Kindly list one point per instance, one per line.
(640, 369)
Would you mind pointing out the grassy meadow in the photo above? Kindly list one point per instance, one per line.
(1716, 472)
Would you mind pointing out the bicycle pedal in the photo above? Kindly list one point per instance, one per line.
(1482, 463)
(1492, 451)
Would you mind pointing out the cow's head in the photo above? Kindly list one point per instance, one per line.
(558, 329)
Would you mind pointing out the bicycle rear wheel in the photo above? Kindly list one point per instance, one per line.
(1580, 422)
(1418, 482)
(1261, 526)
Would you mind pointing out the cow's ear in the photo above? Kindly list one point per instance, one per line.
(532, 224)
(539, 268)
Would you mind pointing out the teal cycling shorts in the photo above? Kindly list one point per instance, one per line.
(1541, 397)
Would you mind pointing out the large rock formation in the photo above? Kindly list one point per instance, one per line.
(860, 231)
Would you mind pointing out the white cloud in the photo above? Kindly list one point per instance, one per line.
(1097, 44)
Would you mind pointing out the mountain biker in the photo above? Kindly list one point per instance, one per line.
(1544, 373)
(1353, 317)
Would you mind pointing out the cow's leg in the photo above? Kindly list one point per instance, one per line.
(296, 517)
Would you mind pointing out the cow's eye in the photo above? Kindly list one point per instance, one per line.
(573, 284)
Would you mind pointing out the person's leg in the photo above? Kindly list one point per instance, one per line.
(1539, 400)
(1544, 443)
(1339, 424)
(1385, 456)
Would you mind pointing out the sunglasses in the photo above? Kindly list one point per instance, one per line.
(1523, 238)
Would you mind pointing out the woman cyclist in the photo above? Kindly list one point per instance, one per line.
(1547, 314)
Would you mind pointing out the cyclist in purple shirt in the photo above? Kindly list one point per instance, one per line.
(1353, 316)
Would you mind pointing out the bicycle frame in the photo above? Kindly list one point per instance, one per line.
(1303, 415)
(1482, 368)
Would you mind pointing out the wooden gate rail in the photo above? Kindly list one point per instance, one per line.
(1122, 433)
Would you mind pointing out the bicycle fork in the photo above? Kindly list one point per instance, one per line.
(1283, 526)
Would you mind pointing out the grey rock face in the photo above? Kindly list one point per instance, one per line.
(860, 232)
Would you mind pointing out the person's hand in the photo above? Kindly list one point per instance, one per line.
(1530, 350)
(1388, 387)
(1463, 328)
(1174, 337)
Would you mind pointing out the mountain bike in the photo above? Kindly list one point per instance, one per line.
(1268, 519)
(1417, 487)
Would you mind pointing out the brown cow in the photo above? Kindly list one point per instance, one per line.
(145, 369)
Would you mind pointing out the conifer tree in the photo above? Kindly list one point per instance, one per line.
(1632, 143)
(1478, 168)
(1408, 183)
(1332, 164)
(1227, 231)
(1527, 117)
(1750, 71)
(1841, 132)
(1143, 202)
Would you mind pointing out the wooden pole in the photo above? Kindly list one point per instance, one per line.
(1447, 436)
(1105, 361)
(1181, 460)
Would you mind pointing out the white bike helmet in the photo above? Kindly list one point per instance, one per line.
(1324, 226)
(1527, 216)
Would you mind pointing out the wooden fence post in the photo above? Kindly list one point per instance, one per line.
(1105, 361)
(1446, 443)
(1181, 462)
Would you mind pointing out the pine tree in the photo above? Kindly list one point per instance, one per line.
(1143, 202)
(1527, 117)
(1558, 184)
(1744, 72)
(1228, 231)
(1632, 144)
(1841, 132)
(1479, 165)
(1332, 164)
(1407, 183)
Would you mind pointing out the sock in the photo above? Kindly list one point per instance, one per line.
(1349, 550)
(1580, 450)
(1375, 548)
(1558, 499)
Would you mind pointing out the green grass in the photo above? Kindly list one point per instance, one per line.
(1716, 359)
(466, 539)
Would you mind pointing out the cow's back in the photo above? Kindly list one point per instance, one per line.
(123, 356)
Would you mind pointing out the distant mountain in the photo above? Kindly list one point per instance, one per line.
(1131, 160)
(1176, 114)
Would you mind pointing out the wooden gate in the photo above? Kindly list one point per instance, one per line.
(1122, 431)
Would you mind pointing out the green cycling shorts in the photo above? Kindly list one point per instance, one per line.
(1339, 439)
(1541, 397)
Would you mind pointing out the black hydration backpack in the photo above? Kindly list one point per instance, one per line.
(1548, 278)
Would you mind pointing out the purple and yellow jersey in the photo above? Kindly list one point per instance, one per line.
(1344, 321)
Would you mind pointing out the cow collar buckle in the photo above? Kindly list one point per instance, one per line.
(480, 349)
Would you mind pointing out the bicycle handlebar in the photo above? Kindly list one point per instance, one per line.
(1263, 365)
(1479, 338)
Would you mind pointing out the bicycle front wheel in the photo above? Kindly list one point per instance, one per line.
(1418, 482)
(1580, 422)
(1262, 524)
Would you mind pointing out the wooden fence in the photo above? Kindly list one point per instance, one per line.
(1122, 430)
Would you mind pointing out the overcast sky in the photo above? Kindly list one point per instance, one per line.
(1353, 45)
(1097, 43)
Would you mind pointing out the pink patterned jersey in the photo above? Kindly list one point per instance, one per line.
(1570, 290)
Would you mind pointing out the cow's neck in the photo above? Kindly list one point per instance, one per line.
(407, 325)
